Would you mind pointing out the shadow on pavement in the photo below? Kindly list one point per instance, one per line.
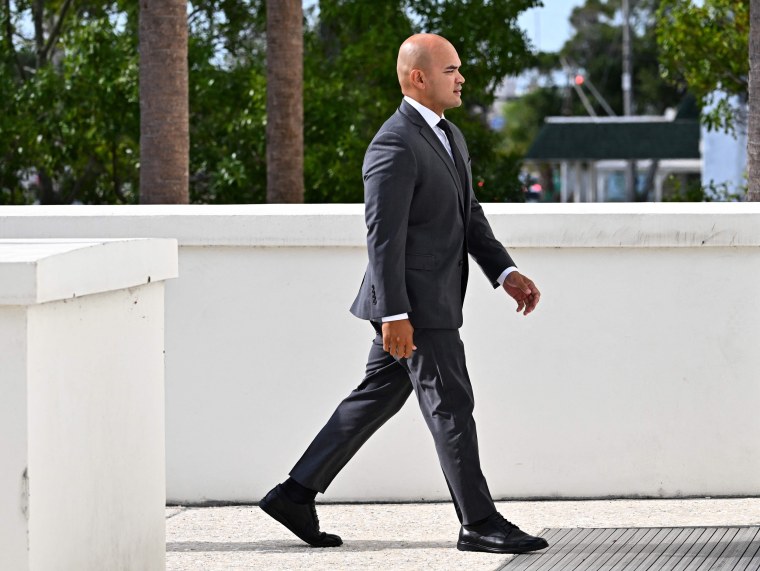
(279, 546)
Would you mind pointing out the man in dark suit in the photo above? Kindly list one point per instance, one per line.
(423, 221)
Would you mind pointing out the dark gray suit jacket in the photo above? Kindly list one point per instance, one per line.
(421, 225)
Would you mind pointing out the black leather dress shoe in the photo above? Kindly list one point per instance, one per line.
(301, 519)
(497, 535)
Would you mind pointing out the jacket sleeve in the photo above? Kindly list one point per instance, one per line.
(482, 245)
(389, 178)
(487, 251)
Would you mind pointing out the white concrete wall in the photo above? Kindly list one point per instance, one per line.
(14, 496)
(636, 375)
(82, 479)
(97, 459)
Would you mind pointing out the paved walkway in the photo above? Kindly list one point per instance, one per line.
(401, 537)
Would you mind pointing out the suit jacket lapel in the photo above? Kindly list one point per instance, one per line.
(427, 133)
(443, 154)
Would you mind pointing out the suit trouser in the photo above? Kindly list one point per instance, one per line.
(438, 375)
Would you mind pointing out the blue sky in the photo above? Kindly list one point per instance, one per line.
(548, 27)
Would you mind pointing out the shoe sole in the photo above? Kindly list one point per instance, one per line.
(277, 516)
(465, 546)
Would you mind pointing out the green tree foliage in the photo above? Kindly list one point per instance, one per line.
(74, 118)
(227, 55)
(596, 48)
(704, 48)
(350, 88)
(70, 118)
(351, 85)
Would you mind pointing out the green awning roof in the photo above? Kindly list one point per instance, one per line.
(581, 139)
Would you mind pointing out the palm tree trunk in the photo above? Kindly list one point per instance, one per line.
(753, 128)
(285, 101)
(164, 123)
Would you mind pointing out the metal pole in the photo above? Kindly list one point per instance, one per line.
(627, 61)
(564, 185)
(627, 79)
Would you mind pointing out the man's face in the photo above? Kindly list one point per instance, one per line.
(444, 81)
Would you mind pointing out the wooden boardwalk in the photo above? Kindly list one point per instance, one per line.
(645, 549)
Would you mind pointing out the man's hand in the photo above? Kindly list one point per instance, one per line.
(523, 291)
(397, 338)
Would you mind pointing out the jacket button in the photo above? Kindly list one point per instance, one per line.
(460, 262)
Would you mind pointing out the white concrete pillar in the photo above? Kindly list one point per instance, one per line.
(14, 493)
(659, 180)
(564, 177)
(591, 182)
(82, 476)
(601, 193)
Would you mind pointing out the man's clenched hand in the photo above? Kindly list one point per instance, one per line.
(397, 338)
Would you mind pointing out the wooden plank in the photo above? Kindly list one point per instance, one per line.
(661, 552)
(639, 552)
(563, 543)
(750, 561)
(606, 548)
(596, 550)
(686, 550)
(645, 549)
(586, 550)
(700, 550)
(617, 551)
(742, 542)
(717, 552)
(540, 560)
(553, 535)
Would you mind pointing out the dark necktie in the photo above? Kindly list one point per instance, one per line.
(444, 126)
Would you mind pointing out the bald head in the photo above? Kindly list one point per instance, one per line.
(416, 53)
(428, 72)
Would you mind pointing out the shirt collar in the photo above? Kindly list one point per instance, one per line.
(430, 117)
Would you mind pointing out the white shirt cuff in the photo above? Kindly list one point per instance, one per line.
(505, 273)
(398, 317)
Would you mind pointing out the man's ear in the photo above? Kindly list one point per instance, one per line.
(418, 78)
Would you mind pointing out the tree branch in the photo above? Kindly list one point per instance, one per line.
(193, 15)
(9, 37)
(739, 81)
(38, 15)
(91, 169)
(56, 31)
